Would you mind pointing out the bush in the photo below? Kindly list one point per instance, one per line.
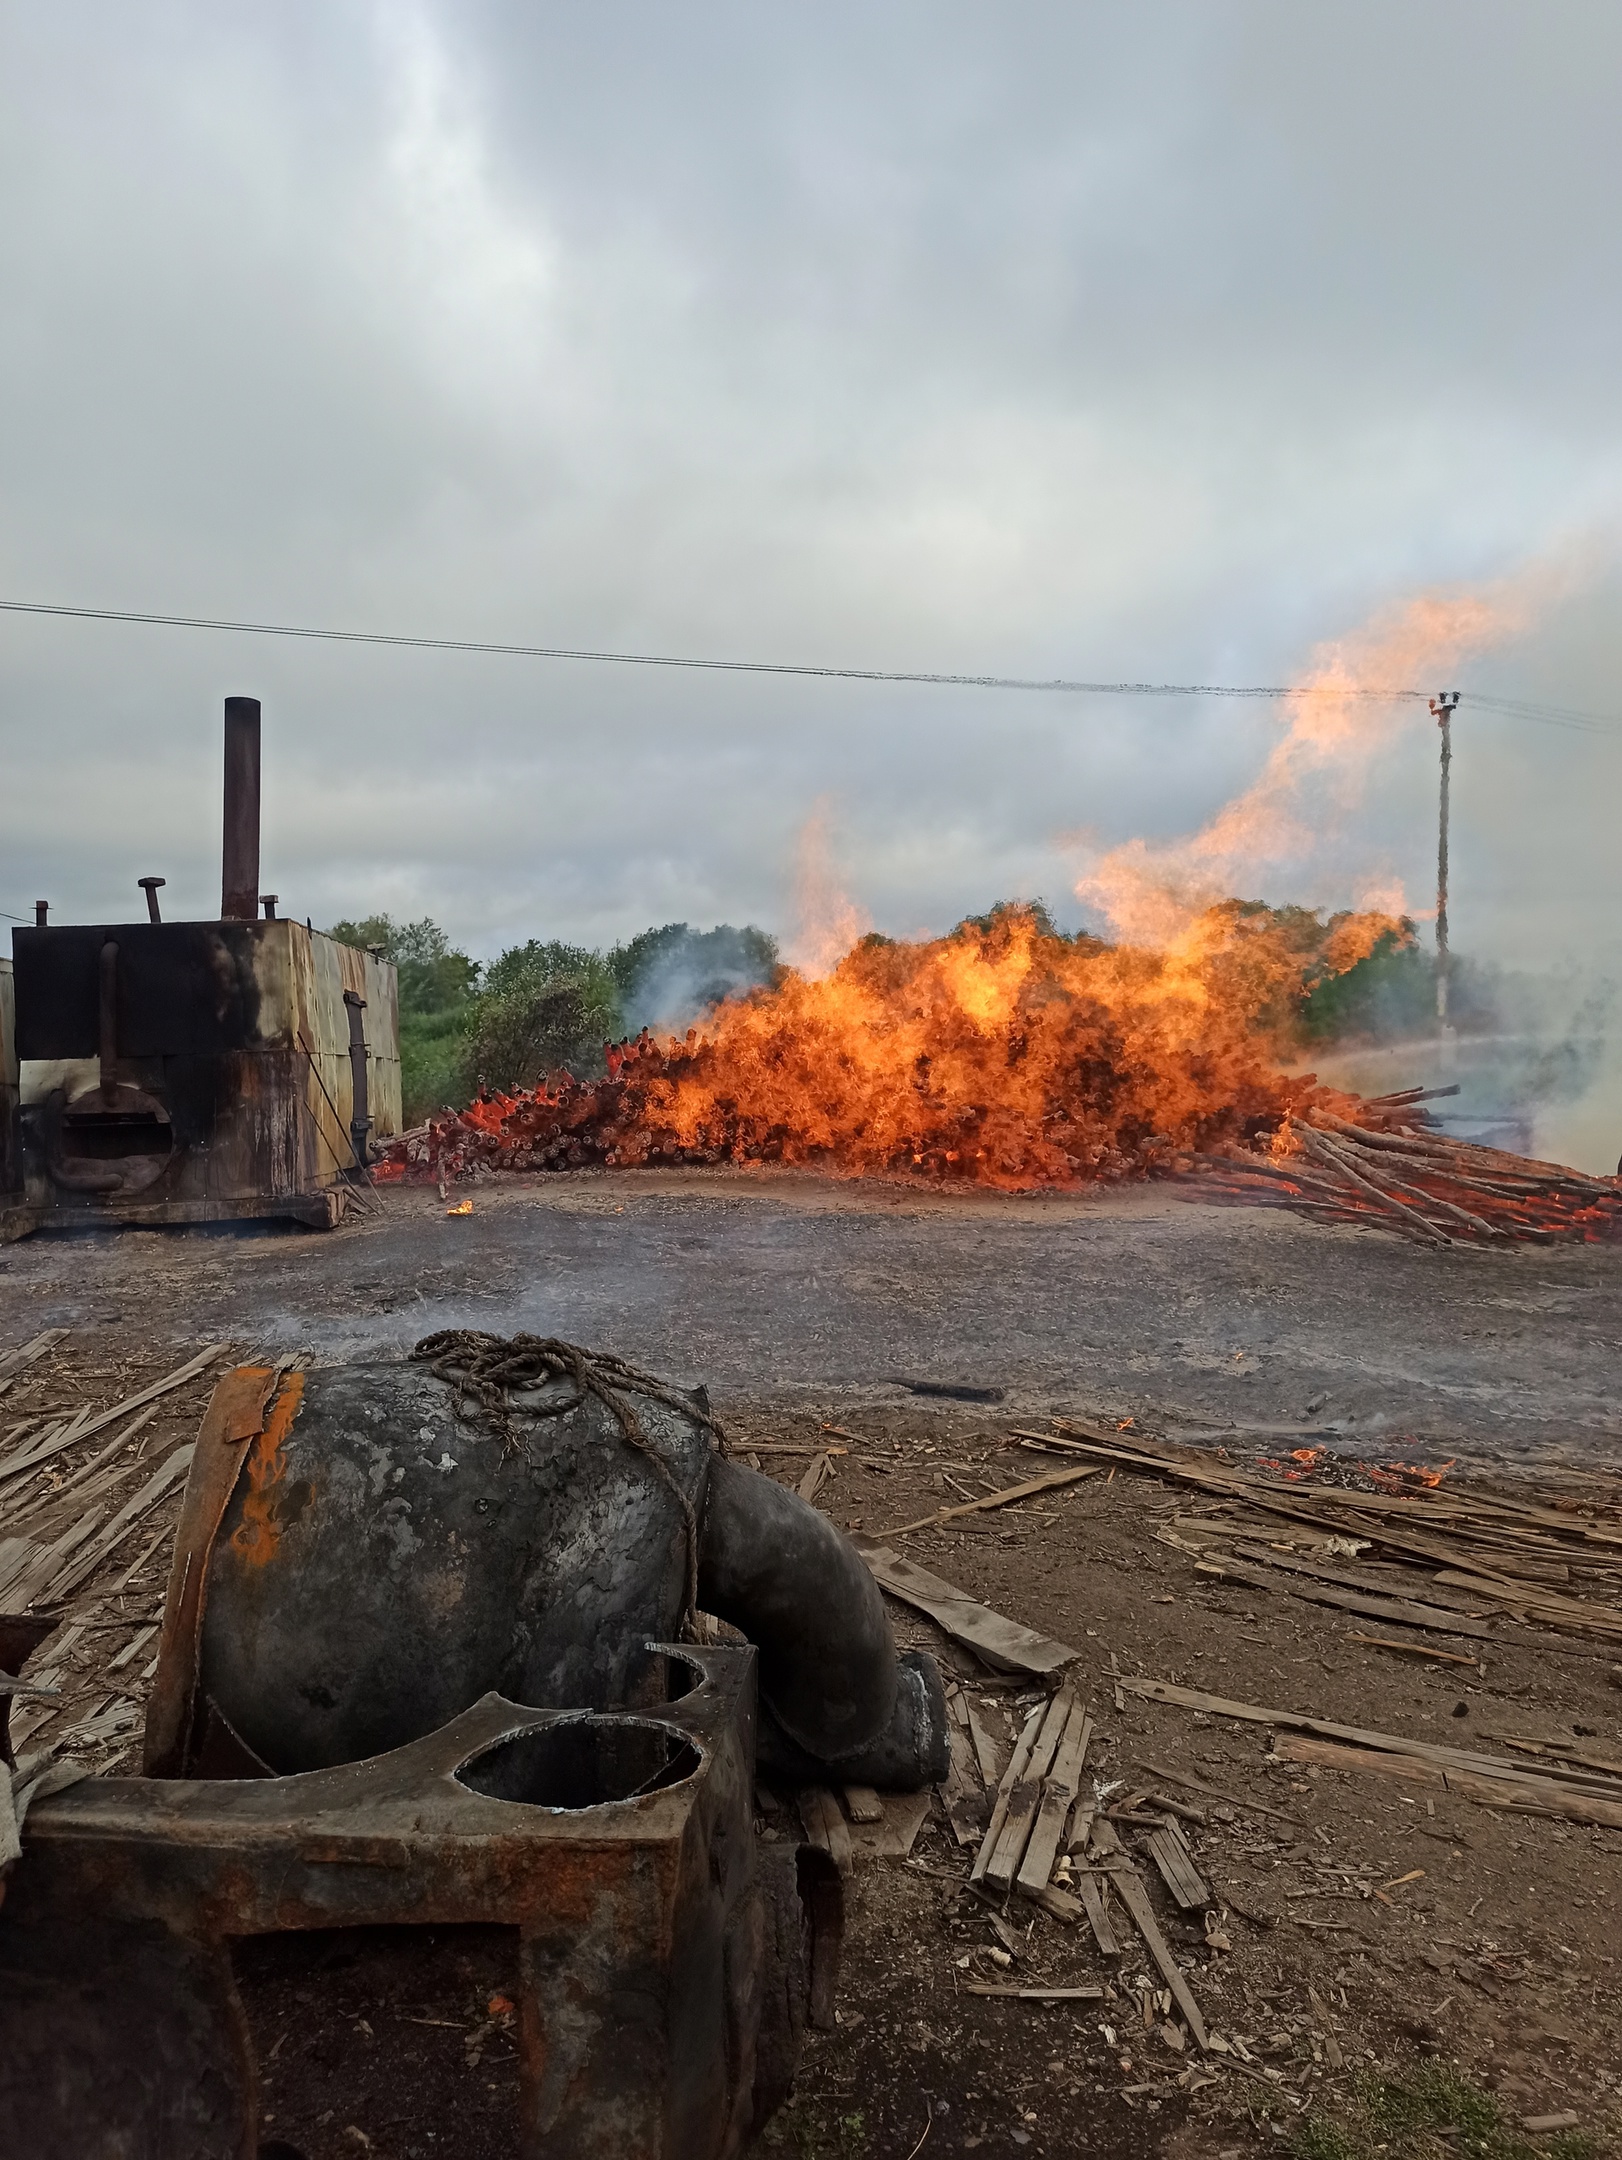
(543, 1006)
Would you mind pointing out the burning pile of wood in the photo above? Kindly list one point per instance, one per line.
(1385, 1162)
(1336, 1158)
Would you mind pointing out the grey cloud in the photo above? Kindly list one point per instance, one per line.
(1076, 339)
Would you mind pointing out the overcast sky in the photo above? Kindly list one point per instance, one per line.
(1131, 340)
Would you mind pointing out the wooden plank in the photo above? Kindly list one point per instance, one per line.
(1128, 1886)
(1058, 1797)
(892, 1839)
(987, 1754)
(1005, 1498)
(1090, 1889)
(1525, 1794)
(863, 1805)
(1010, 1777)
(1435, 1617)
(1025, 1798)
(961, 1793)
(1449, 1759)
(1177, 1870)
(1001, 1642)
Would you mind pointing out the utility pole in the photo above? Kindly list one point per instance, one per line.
(1443, 709)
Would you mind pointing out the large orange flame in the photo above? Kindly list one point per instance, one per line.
(1316, 772)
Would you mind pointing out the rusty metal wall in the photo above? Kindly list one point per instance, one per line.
(10, 1171)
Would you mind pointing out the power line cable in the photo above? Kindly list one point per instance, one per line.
(676, 660)
(1516, 708)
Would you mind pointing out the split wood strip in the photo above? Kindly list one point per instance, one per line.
(12, 1362)
(93, 1487)
(93, 1423)
(1033, 1994)
(1525, 1795)
(1023, 1748)
(825, 1825)
(863, 1805)
(1546, 1607)
(1322, 1508)
(816, 1470)
(1446, 1758)
(59, 1581)
(1177, 1870)
(1058, 1797)
(962, 1795)
(1560, 1749)
(1091, 1890)
(1371, 1608)
(1002, 1643)
(58, 1434)
(25, 1584)
(782, 1447)
(1025, 1797)
(1343, 1577)
(1427, 1651)
(1005, 1498)
(1129, 1887)
(986, 1752)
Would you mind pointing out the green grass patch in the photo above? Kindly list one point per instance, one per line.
(1428, 2113)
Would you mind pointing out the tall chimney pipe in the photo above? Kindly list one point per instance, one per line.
(239, 884)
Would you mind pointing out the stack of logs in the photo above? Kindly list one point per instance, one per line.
(1387, 1164)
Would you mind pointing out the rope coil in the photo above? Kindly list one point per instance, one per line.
(487, 1368)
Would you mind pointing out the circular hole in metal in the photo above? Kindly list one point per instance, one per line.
(581, 1762)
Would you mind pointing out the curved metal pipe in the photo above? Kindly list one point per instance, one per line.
(776, 1568)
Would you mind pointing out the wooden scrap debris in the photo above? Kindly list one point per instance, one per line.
(1001, 1642)
(892, 1838)
(816, 1470)
(1033, 1994)
(1263, 1574)
(1001, 1854)
(863, 1805)
(1058, 1797)
(1009, 1494)
(961, 1791)
(87, 1423)
(1581, 1795)
(1117, 1864)
(1170, 1854)
(12, 1362)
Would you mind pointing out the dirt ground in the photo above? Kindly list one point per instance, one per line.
(1377, 1930)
